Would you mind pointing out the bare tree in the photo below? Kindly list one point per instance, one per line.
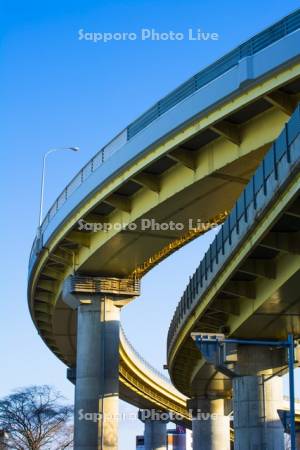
(34, 418)
(65, 439)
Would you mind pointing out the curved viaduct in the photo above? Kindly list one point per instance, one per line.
(188, 157)
(246, 287)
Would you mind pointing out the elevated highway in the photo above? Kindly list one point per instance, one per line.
(188, 157)
(246, 286)
(144, 387)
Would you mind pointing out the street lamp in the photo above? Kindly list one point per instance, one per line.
(74, 149)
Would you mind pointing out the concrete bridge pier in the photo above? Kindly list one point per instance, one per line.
(256, 420)
(97, 376)
(257, 397)
(211, 427)
(155, 433)
(98, 303)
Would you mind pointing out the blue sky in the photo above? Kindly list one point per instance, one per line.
(58, 91)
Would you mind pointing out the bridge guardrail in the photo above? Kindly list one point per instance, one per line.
(143, 360)
(209, 266)
(248, 48)
(268, 36)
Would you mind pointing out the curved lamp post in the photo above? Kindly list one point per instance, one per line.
(74, 149)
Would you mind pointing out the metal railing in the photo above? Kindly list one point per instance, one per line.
(270, 35)
(141, 359)
(248, 48)
(208, 267)
(97, 160)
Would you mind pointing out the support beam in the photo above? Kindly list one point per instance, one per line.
(120, 202)
(52, 273)
(226, 306)
(283, 242)
(61, 258)
(260, 268)
(227, 130)
(43, 316)
(42, 296)
(240, 289)
(43, 307)
(294, 210)
(231, 178)
(282, 101)
(49, 286)
(50, 342)
(210, 322)
(183, 156)
(148, 180)
(95, 218)
(44, 326)
(208, 325)
(79, 237)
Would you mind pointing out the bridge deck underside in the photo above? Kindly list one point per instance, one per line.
(196, 179)
(268, 276)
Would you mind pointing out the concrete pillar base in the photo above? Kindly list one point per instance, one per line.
(256, 421)
(257, 397)
(98, 301)
(97, 376)
(211, 428)
(155, 434)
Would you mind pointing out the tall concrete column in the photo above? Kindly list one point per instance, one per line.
(211, 428)
(257, 397)
(98, 302)
(256, 421)
(97, 375)
(155, 433)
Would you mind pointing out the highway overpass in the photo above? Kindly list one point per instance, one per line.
(246, 287)
(188, 157)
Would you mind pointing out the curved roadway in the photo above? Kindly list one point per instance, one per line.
(246, 286)
(189, 159)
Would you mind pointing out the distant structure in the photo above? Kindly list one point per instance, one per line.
(177, 439)
(139, 443)
(188, 440)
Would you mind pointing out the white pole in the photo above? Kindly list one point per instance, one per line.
(74, 149)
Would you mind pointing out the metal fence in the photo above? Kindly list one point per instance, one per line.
(250, 47)
(239, 215)
(97, 160)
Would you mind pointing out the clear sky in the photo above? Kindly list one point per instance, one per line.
(57, 90)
